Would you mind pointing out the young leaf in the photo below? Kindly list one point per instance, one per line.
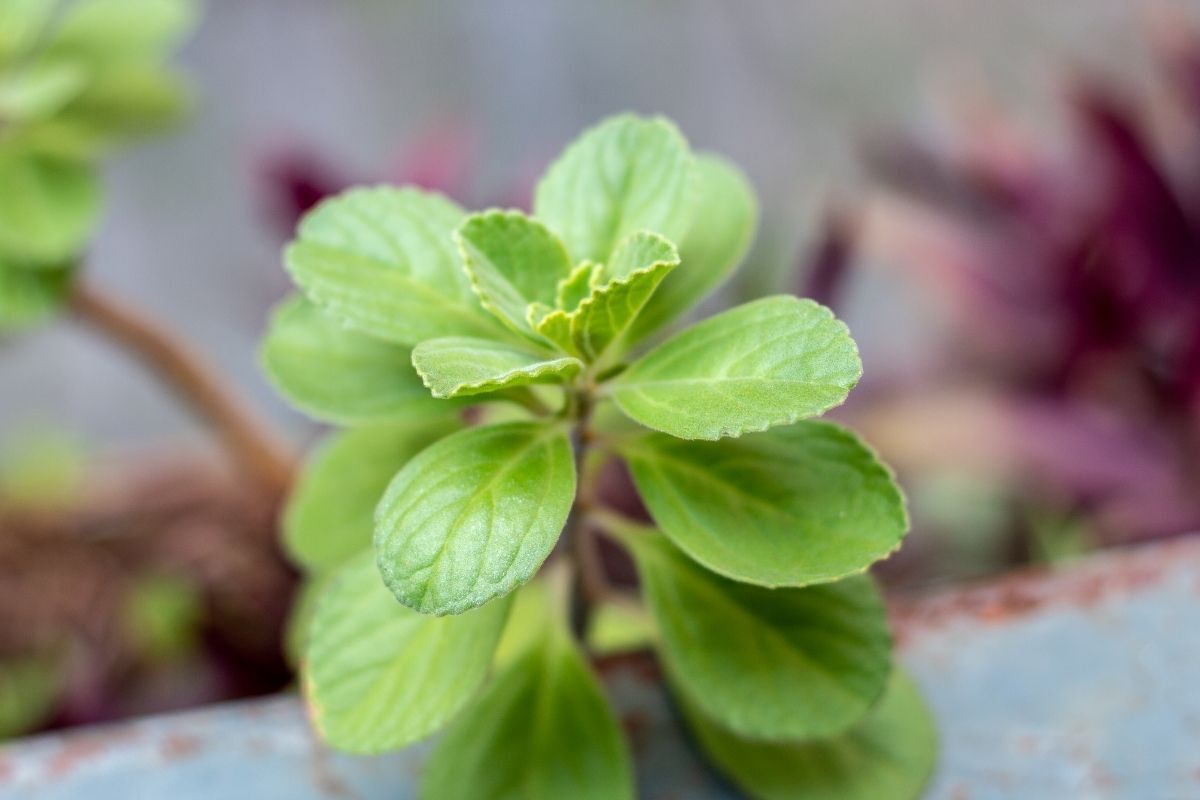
(576, 286)
(789, 507)
(475, 515)
(638, 266)
(381, 676)
(769, 362)
(458, 365)
(766, 663)
(512, 261)
(329, 515)
(383, 260)
(21, 23)
(39, 89)
(48, 206)
(624, 175)
(722, 228)
(338, 374)
(553, 325)
(889, 754)
(29, 294)
(542, 730)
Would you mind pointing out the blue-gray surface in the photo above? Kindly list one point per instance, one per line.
(1079, 684)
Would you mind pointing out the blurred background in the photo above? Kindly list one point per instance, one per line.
(1002, 200)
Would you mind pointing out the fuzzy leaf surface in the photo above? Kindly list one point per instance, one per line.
(456, 366)
(474, 515)
(792, 506)
(638, 265)
(512, 261)
(626, 174)
(723, 225)
(379, 676)
(383, 260)
(769, 362)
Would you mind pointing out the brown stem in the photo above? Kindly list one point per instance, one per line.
(255, 450)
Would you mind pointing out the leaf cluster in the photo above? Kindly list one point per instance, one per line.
(76, 78)
(425, 533)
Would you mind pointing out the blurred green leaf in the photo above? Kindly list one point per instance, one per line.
(48, 208)
(379, 676)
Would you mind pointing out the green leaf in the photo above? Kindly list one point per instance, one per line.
(338, 374)
(575, 287)
(475, 515)
(123, 30)
(48, 207)
(638, 266)
(383, 260)
(21, 23)
(456, 366)
(512, 261)
(39, 89)
(620, 625)
(723, 225)
(330, 512)
(127, 101)
(769, 362)
(789, 507)
(553, 325)
(766, 663)
(890, 754)
(542, 730)
(380, 676)
(30, 294)
(624, 175)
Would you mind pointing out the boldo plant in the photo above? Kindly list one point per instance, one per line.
(487, 367)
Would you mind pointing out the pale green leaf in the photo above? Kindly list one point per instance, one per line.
(890, 754)
(48, 207)
(765, 363)
(626, 174)
(39, 89)
(30, 294)
(542, 730)
(639, 264)
(553, 325)
(128, 100)
(766, 663)
(474, 516)
(123, 30)
(457, 366)
(383, 260)
(789, 507)
(330, 511)
(576, 286)
(512, 261)
(723, 225)
(21, 23)
(379, 676)
(338, 374)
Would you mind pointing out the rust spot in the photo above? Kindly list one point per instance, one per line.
(6, 769)
(179, 746)
(1083, 585)
(74, 752)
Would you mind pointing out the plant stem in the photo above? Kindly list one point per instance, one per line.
(586, 572)
(254, 449)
